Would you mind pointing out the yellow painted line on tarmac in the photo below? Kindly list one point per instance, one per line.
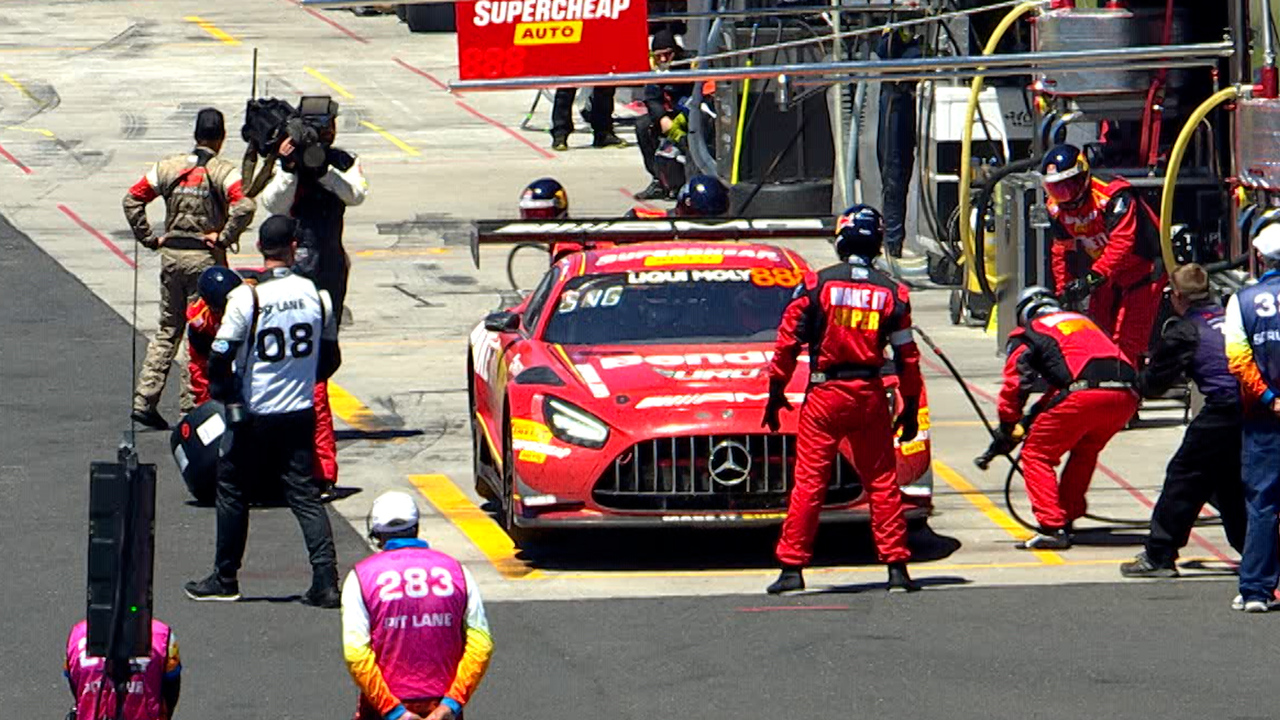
(406, 147)
(399, 343)
(17, 85)
(920, 570)
(331, 84)
(36, 131)
(216, 32)
(476, 524)
(956, 423)
(993, 513)
(401, 252)
(352, 412)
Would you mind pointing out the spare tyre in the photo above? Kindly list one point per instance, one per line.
(785, 199)
(431, 17)
(195, 444)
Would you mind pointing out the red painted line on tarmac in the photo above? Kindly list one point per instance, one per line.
(786, 608)
(18, 163)
(632, 197)
(106, 241)
(333, 23)
(1112, 474)
(540, 150)
(423, 73)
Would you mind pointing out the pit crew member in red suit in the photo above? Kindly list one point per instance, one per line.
(1091, 398)
(1106, 249)
(846, 315)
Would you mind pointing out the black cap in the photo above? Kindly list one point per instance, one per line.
(664, 39)
(277, 232)
(210, 125)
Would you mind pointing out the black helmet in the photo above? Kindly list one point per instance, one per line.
(859, 231)
(702, 196)
(1066, 174)
(215, 284)
(1034, 301)
(544, 199)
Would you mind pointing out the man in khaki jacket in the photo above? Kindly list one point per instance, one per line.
(205, 212)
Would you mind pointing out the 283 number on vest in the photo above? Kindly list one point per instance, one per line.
(415, 582)
(271, 344)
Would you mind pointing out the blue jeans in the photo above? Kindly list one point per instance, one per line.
(1260, 565)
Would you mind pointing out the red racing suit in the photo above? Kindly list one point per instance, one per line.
(847, 314)
(202, 328)
(1115, 234)
(1091, 397)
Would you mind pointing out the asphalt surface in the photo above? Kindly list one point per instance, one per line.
(1169, 650)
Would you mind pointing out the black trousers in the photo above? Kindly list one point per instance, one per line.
(669, 173)
(271, 448)
(601, 115)
(896, 153)
(1205, 469)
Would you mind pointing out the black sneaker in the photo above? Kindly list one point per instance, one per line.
(1047, 539)
(609, 141)
(150, 418)
(791, 578)
(1143, 566)
(655, 191)
(325, 597)
(560, 144)
(213, 589)
(900, 580)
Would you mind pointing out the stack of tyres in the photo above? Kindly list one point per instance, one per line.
(195, 444)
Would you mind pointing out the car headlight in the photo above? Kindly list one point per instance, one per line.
(572, 424)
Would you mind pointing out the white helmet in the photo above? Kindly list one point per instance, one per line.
(393, 512)
(1035, 301)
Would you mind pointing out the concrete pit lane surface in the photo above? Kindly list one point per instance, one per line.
(608, 623)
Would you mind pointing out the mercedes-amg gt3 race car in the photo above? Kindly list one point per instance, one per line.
(629, 386)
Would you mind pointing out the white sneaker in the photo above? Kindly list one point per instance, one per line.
(1257, 606)
(1237, 603)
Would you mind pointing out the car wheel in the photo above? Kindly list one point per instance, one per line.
(518, 535)
(479, 466)
(435, 17)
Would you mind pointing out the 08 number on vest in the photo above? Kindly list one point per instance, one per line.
(272, 346)
(416, 582)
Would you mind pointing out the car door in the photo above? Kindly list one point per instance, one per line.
(501, 346)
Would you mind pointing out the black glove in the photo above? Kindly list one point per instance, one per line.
(777, 402)
(907, 423)
(1078, 290)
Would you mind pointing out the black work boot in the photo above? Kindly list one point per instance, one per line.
(1143, 566)
(150, 418)
(900, 580)
(1047, 539)
(213, 589)
(655, 191)
(609, 140)
(324, 589)
(791, 578)
(559, 143)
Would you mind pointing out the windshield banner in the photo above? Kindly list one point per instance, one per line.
(529, 38)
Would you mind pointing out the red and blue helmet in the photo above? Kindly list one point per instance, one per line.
(1066, 174)
(544, 199)
(859, 231)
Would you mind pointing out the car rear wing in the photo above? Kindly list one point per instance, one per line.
(640, 230)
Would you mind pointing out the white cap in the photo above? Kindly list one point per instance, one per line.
(392, 512)
(1267, 241)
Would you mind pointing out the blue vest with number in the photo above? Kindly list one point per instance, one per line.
(1260, 311)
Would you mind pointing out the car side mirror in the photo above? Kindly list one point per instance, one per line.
(502, 322)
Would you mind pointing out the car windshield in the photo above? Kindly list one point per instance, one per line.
(671, 306)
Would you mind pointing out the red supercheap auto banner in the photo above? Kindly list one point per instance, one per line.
(529, 38)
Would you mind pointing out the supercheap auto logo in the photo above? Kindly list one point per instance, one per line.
(546, 22)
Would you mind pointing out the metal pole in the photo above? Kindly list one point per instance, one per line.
(1238, 18)
(922, 68)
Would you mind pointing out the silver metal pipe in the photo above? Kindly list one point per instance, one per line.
(361, 3)
(787, 12)
(921, 69)
(1268, 35)
(873, 30)
(1009, 72)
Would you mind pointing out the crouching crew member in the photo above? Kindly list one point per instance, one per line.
(1090, 399)
(414, 633)
(847, 314)
(204, 317)
(1106, 248)
(1206, 467)
(702, 196)
(282, 337)
(152, 690)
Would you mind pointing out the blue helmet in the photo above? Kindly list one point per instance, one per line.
(859, 231)
(215, 284)
(1066, 174)
(544, 199)
(702, 196)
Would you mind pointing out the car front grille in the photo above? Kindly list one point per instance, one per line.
(712, 473)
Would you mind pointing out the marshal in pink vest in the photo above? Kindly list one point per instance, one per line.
(88, 674)
(417, 603)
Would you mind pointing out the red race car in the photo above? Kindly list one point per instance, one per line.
(629, 386)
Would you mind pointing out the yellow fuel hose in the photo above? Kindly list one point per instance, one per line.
(1175, 161)
(966, 145)
(737, 136)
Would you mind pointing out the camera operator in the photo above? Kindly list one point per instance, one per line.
(282, 336)
(318, 197)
